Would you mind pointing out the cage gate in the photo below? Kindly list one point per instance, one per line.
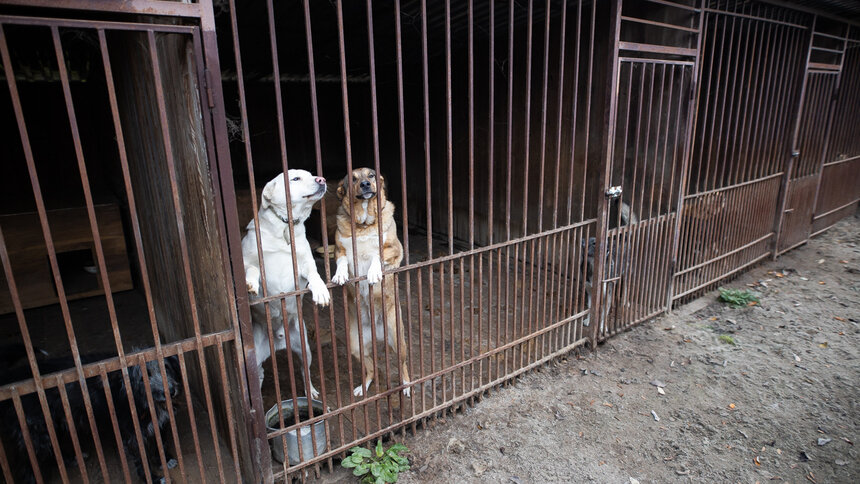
(826, 57)
(647, 156)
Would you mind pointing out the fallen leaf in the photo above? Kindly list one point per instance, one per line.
(821, 282)
(779, 274)
(601, 463)
(714, 318)
(779, 451)
(822, 345)
(756, 461)
(846, 440)
(843, 262)
(580, 434)
(607, 404)
(732, 406)
(752, 303)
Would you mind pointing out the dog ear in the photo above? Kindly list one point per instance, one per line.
(383, 187)
(341, 191)
(268, 192)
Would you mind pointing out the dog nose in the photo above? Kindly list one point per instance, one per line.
(320, 180)
(365, 184)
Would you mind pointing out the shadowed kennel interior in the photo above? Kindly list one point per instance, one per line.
(111, 249)
(552, 162)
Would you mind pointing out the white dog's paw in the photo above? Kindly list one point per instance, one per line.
(314, 393)
(341, 275)
(374, 273)
(359, 390)
(320, 293)
(253, 285)
(408, 390)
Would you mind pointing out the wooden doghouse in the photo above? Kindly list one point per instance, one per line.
(75, 247)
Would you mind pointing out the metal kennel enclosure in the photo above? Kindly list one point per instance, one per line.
(562, 170)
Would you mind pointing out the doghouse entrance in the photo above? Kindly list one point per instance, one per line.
(78, 270)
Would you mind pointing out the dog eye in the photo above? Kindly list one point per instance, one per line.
(372, 175)
(354, 178)
(296, 178)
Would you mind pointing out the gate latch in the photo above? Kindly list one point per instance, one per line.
(613, 192)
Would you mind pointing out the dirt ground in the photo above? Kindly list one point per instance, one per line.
(780, 404)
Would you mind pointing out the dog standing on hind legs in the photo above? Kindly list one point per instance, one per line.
(361, 201)
(278, 250)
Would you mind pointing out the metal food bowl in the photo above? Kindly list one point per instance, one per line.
(288, 411)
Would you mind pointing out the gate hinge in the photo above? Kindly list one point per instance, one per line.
(613, 192)
(207, 80)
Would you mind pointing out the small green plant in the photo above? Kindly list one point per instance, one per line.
(738, 297)
(727, 339)
(378, 466)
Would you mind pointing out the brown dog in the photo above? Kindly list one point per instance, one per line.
(366, 186)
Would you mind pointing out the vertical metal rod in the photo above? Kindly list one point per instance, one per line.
(101, 261)
(183, 244)
(25, 333)
(471, 75)
(28, 439)
(491, 161)
(117, 435)
(831, 103)
(605, 174)
(189, 407)
(574, 112)
(73, 431)
(257, 427)
(560, 119)
(112, 98)
(323, 234)
(52, 255)
(543, 128)
(589, 78)
(686, 158)
(348, 142)
(231, 424)
(404, 207)
(527, 125)
(790, 160)
(510, 136)
(375, 132)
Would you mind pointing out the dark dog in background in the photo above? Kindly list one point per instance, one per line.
(13, 437)
(620, 215)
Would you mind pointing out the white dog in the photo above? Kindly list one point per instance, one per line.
(261, 345)
(305, 190)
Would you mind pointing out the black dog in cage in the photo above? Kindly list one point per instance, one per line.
(617, 260)
(14, 442)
